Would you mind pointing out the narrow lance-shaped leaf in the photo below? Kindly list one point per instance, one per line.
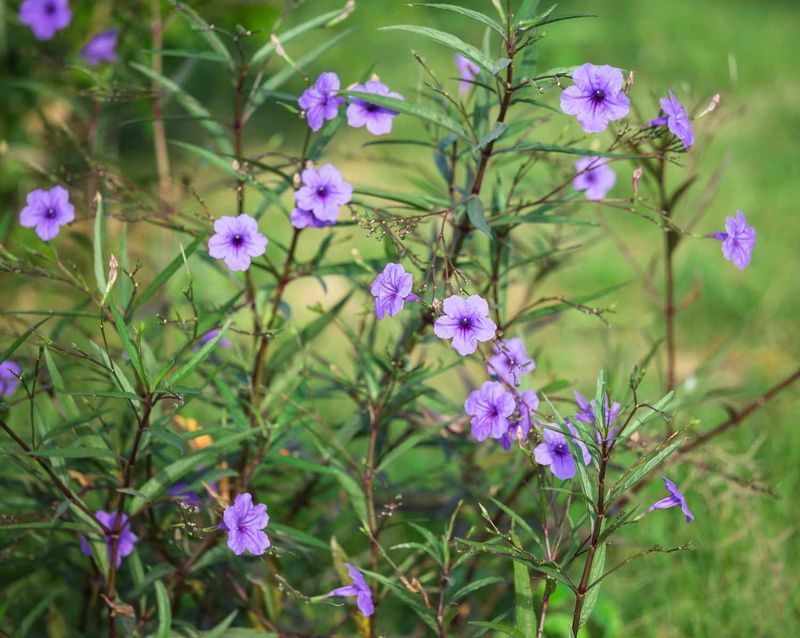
(468, 13)
(99, 235)
(596, 571)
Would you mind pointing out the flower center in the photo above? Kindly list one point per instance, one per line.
(322, 191)
(599, 96)
(237, 240)
(465, 322)
(50, 8)
(561, 449)
(371, 108)
(50, 213)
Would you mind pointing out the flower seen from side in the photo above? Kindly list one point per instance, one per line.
(675, 499)
(738, 240)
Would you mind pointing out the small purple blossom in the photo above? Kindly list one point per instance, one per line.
(322, 193)
(586, 415)
(301, 218)
(244, 521)
(675, 498)
(676, 120)
(391, 289)
(236, 240)
(359, 588)
(554, 451)
(596, 98)
(594, 176)
(510, 361)
(45, 17)
(520, 427)
(9, 377)
(321, 102)
(101, 48)
(490, 407)
(47, 211)
(467, 71)
(738, 241)
(466, 322)
(377, 119)
(186, 495)
(127, 539)
(223, 343)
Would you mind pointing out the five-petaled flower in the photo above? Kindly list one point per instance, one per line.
(466, 322)
(101, 48)
(322, 194)
(675, 499)
(554, 451)
(738, 241)
(127, 539)
(9, 377)
(236, 240)
(510, 361)
(676, 119)
(596, 98)
(47, 211)
(377, 119)
(244, 521)
(520, 425)
(594, 176)
(467, 71)
(45, 17)
(391, 289)
(359, 588)
(490, 407)
(321, 102)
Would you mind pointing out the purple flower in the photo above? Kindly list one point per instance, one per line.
(377, 119)
(490, 408)
(9, 378)
(359, 588)
(391, 289)
(466, 322)
(101, 48)
(301, 218)
(596, 97)
(676, 120)
(675, 498)
(520, 427)
(321, 102)
(183, 493)
(586, 415)
(244, 521)
(224, 342)
(127, 539)
(236, 240)
(738, 241)
(45, 17)
(467, 71)
(554, 451)
(47, 211)
(510, 361)
(322, 193)
(595, 177)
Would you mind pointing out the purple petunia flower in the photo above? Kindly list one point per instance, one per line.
(675, 119)
(236, 240)
(391, 289)
(520, 427)
(377, 119)
(467, 71)
(223, 343)
(594, 176)
(586, 415)
(45, 17)
(322, 193)
(359, 588)
(466, 322)
(47, 211)
(101, 48)
(490, 407)
(244, 521)
(675, 498)
(738, 241)
(9, 378)
(301, 218)
(554, 451)
(321, 102)
(510, 361)
(127, 539)
(186, 495)
(596, 97)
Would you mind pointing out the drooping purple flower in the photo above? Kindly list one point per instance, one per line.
(101, 48)
(321, 102)
(45, 17)
(47, 211)
(510, 361)
(490, 407)
(359, 588)
(554, 451)
(596, 98)
(322, 193)
(127, 539)
(391, 289)
(244, 521)
(186, 495)
(586, 413)
(466, 322)
(467, 71)
(236, 240)
(738, 241)
(594, 176)
(520, 426)
(9, 377)
(301, 218)
(675, 498)
(676, 120)
(377, 119)
(223, 343)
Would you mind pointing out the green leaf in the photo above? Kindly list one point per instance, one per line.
(536, 218)
(354, 491)
(491, 136)
(219, 631)
(99, 235)
(469, 13)
(69, 453)
(304, 538)
(201, 355)
(638, 422)
(506, 630)
(207, 31)
(412, 601)
(523, 600)
(475, 585)
(58, 385)
(527, 9)
(642, 468)
(22, 339)
(424, 202)
(596, 571)
(538, 147)
(164, 610)
(410, 443)
(476, 215)
(129, 346)
(599, 402)
(167, 273)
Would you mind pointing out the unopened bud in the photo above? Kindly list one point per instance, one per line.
(629, 81)
(637, 175)
(711, 106)
(113, 269)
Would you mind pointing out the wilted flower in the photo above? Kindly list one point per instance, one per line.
(596, 98)
(322, 193)
(127, 539)
(47, 211)
(554, 451)
(377, 119)
(101, 48)
(321, 101)
(490, 408)
(359, 588)
(467, 71)
(466, 322)
(391, 289)
(676, 120)
(510, 361)
(9, 378)
(236, 240)
(675, 498)
(520, 425)
(738, 241)
(45, 17)
(244, 521)
(594, 176)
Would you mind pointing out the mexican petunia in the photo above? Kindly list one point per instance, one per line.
(391, 289)
(9, 378)
(236, 240)
(594, 176)
(127, 539)
(586, 412)
(510, 361)
(738, 241)
(554, 451)
(321, 102)
(359, 588)
(244, 521)
(322, 194)
(675, 499)
(596, 98)
(377, 119)
(466, 322)
(47, 211)
(676, 120)
(490, 407)
(101, 48)
(224, 342)
(301, 218)
(45, 17)
(526, 404)
(467, 71)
